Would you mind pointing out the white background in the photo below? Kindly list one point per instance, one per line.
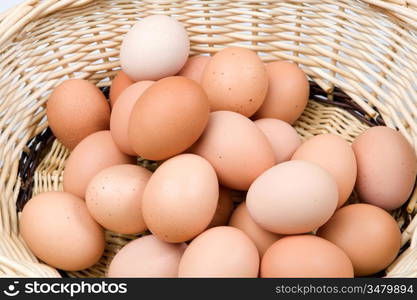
(6, 4)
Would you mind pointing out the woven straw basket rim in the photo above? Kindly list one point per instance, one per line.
(359, 55)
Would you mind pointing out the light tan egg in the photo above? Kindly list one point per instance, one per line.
(93, 154)
(305, 256)
(147, 256)
(194, 67)
(262, 238)
(236, 148)
(220, 252)
(120, 115)
(335, 155)
(292, 198)
(120, 82)
(58, 229)
(180, 198)
(283, 138)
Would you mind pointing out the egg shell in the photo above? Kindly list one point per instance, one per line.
(58, 229)
(292, 197)
(120, 115)
(283, 138)
(93, 154)
(235, 79)
(180, 198)
(194, 67)
(155, 47)
(75, 109)
(120, 82)
(147, 256)
(387, 167)
(114, 198)
(224, 208)
(367, 234)
(305, 256)
(335, 155)
(242, 220)
(168, 118)
(220, 252)
(287, 94)
(236, 148)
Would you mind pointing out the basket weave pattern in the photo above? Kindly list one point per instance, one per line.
(365, 48)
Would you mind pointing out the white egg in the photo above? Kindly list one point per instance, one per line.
(155, 47)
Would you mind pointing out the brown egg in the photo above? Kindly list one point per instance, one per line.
(237, 149)
(242, 220)
(283, 138)
(194, 67)
(220, 252)
(76, 109)
(119, 119)
(224, 208)
(292, 197)
(114, 198)
(58, 229)
(387, 167)
(335, 155)
(147, 256)
(180, 199)
(168, 118)
(367, 234)
(305, 256)
(95, 153)
(118, 85)
(287, 94)
(235, 79)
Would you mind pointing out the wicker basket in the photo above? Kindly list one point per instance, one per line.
(359, 55)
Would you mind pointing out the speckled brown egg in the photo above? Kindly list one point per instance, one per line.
(76, 109)
(120, 82)
(114, 198)
(58, 229)
(168, 118)
(93, 154)
(235, 79)
(287, 94)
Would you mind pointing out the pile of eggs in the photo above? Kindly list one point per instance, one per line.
(215, 125)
